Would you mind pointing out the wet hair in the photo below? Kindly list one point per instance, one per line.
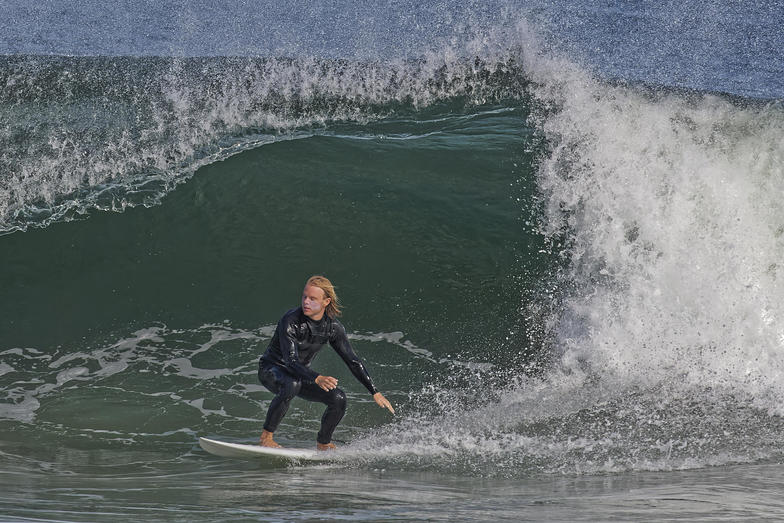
(333, 308)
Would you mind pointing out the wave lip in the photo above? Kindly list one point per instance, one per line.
(108, 133)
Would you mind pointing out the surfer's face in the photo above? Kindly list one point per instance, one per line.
(314, 302)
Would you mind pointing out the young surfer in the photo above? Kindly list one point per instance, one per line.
(285, 366)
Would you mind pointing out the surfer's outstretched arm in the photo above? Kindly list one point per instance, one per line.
(339, 342)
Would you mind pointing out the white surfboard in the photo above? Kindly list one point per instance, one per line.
(240, 450)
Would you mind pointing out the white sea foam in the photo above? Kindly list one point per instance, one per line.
(668, 344)
(671, 208)
(212, 362)
(186, 368)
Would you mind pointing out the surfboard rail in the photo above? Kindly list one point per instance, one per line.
(241, 450)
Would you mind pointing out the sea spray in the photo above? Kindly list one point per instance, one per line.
(669, 204)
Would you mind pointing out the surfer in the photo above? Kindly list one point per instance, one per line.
(285, 366)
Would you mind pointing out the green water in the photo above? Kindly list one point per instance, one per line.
(423, 234)
(420, 224)
(420, 235)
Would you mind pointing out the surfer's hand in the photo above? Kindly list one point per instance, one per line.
(383, 402)
(326, 382)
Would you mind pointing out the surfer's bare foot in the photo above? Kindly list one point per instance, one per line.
(325, 446)
(266, 440)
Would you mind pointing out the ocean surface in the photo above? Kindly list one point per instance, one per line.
(557, 228)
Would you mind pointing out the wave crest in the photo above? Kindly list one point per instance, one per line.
(108, 133)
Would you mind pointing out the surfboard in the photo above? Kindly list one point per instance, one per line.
(241, 450)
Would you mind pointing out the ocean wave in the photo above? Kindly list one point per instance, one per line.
(108, 133)
(661, 208)
(663, 319)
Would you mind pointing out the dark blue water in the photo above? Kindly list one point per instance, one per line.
(710, 46)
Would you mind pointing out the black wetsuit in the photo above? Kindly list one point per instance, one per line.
(285, 368)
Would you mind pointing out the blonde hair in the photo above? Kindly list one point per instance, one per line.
(323, 283)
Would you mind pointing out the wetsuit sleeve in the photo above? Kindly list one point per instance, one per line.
(339, 342)
(290, 352)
